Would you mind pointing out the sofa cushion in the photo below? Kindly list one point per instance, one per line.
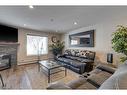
(67, 52)
(83, 53)
(86, 85)
(90, 55)
(87, 54)
(100, 77)
(66, 60)
(80, 83)
(110, 83)
(77, 53)
(72, 57)
(121, 81)
(106, 68)
(58, 85)
(73, 52)
(68, 56)
(87, 61)
(71, 62)
(76, 63)
(83, 60)
(61, 59)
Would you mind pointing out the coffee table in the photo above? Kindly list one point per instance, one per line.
(51, 67)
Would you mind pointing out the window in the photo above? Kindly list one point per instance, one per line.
(74, 42)
(37, 45)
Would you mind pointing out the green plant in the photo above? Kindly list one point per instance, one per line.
(119, 41)
(57, 47)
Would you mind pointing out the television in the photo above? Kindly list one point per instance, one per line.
(8, 34)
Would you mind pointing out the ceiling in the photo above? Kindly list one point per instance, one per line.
(58, 18)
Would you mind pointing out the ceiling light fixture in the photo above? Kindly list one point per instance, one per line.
(75, 23)
(24, 24)
(31, 6)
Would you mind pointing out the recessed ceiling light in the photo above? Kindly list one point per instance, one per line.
(31, 6)
(51, 19)
(75, 23)
(24, 24)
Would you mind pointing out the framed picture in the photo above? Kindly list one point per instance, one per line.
(54, 39)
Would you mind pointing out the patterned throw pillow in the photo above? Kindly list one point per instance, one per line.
(87, 54)
(73, 53)
(77, 53)
(67, 52)
(83, 53)
(90, 55)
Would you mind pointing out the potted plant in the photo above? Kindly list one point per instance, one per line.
(119, 41)
(57, 47)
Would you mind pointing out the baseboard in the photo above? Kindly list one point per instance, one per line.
(27, 62)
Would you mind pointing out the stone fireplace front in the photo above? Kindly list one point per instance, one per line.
(8, 55)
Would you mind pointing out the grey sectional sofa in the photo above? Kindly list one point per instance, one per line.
(102, 77)
(118, 80)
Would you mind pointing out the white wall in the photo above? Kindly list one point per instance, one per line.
(22, 57)
(103, 32)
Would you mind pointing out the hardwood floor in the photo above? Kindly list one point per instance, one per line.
(28, 77)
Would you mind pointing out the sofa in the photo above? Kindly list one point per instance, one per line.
(79, 61)
(118, 80)
(102, 77)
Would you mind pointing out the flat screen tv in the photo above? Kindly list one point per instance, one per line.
(8, 34)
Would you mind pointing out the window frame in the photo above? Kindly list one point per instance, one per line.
(38, 36)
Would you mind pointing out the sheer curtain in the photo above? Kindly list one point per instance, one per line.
(37, 45)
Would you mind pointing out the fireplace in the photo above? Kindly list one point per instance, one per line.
(8, 55)
(5, 61)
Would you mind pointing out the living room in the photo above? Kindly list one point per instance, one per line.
(63, 47)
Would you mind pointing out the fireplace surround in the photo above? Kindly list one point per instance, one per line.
(8, 55)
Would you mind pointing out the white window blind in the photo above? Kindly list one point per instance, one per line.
(37, 45)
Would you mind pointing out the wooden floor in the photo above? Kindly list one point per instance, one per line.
(28, 77)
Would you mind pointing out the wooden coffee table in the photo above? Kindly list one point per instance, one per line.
(51, 67)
